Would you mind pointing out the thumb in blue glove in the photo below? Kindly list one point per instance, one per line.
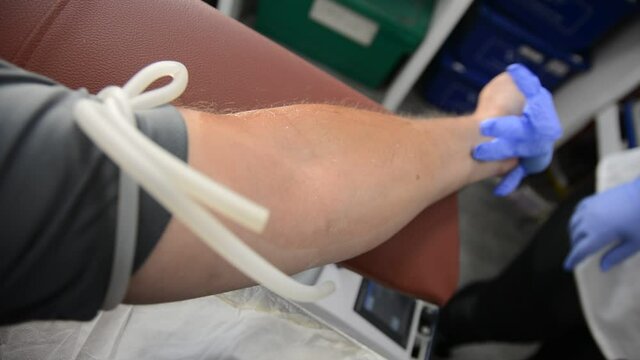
(609, 218)
(529, 137)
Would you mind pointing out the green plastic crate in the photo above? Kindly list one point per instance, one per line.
(363, 39)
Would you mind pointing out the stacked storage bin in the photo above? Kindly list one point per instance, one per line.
(568, 24)
(551, 37)
(363, 39)
(454, 87)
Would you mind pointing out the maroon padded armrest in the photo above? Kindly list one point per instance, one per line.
(91, 43)
(421, 259)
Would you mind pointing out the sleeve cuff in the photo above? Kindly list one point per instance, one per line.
(165, 126)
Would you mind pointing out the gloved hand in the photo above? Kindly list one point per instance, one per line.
(611, 217)
(529, 137)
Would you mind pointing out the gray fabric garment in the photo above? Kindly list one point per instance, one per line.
(58, 195)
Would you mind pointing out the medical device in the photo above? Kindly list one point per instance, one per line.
(394, 325)
(109, 122)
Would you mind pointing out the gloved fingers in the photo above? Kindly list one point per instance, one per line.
(536, 164)
(582, 250)
(510, 182)
(577, 232)
(532, 149)
(582, 205)
(525, 80)
(618, 254)
(541, 115)
(496, 149)
(578, 237)
(511, 127)
(576, 220)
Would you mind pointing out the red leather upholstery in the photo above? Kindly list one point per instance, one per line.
(91, 43)
(421, 259)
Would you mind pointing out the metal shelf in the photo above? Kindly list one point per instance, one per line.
(446, 15)
(614, 73)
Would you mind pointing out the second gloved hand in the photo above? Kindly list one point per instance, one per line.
(611, 217)
(529, 137)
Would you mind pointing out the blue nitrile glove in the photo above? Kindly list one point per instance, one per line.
(611, 217)
(529, 137)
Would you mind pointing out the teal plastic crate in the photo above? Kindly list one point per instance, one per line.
(363, 39)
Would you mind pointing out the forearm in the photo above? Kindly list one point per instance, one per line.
(350, 174)
(333, 164)
(338, 181)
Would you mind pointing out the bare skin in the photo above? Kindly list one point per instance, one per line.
(338, 181)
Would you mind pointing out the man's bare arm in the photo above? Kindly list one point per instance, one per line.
(338, 181)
